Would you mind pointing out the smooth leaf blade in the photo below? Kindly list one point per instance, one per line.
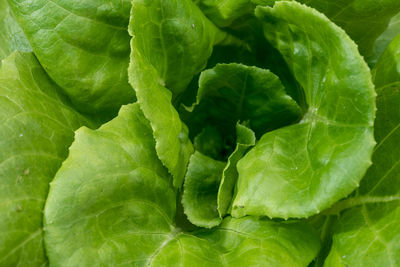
(209, 183)
(368, 232)
(243, 242)
(233, 92)
(245, 139)
(223, 13)
(121, 182)
(117, 206)
(386, 37)
(200, 190)
(84, 46)
(161, 63)
(36, 128)
(176, 38)
(307, 167)
(173, 145)
(367, 235)
(11, 35)
(363, 20)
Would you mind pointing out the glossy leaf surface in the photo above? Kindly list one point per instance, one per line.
(37, 126)
(305, 168)
(84, 47)
(368, 232)
(112, 208)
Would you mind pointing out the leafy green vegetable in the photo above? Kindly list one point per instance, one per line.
(158, 47)
(37, 127)
(11, 36)
(209, 184)
(363, 20)
(233, 92)
(200, 190)
(386, 37)
(83, 46)
(307, 167)
(119, 205)
(224, 12)
(368, 231)
(175, 38)
(245, 139)
(250, 142)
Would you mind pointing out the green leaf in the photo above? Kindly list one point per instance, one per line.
(209, 184)
(234, 92)
(224, 12)
(324, 224)
(368, 231)
(172, 142)
(171, 43)
(245, 138)
(176, 39)
(200, 190)
(37, 126)
(387, 69)
(112, 197)
(11, 36)
(114, 204)
(242, 242)
(305, 168)
(84, 46)
(363, 20)
(386, 37)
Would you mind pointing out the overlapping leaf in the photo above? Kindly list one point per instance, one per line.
(115, 204)
(209, 183)
(84, 47)
(115, 200)
(386, 37)
(171, 43)
(363, 20)
(11, 36)
(224, 12)
(368, 232)
(305, 168)
(37, 125)
(229, 93)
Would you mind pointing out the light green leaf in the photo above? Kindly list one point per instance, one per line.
(200, 190)
(386, 37)
(84, 46)
(305, 168)
(363, 20)
(387, 69)
(111, 202)
(324, 224)
(245, 138)
(234, 92)
(209, 184)
(176, 39)
(368, 232)
(224, 12)
(115, 205)
(242, 242)
(171, 43)
(11, 36)
(172, 141)
(37, 126)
